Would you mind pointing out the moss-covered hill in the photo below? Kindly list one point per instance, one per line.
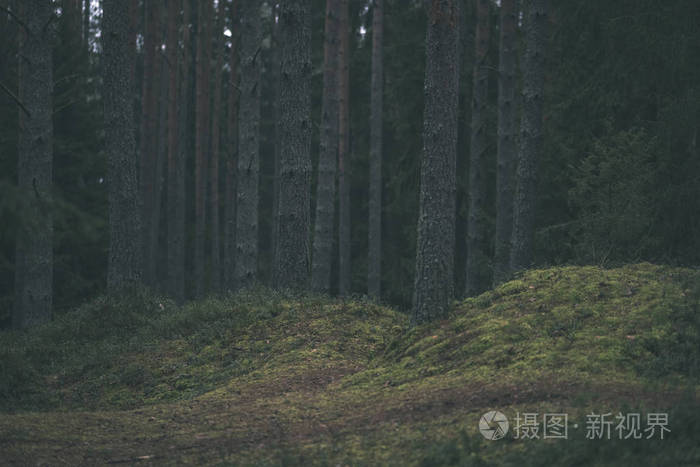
(265, 379)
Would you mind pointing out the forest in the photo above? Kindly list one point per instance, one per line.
(348, 232)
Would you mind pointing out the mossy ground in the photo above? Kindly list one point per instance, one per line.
(269, 379)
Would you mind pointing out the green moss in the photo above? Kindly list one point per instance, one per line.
(268, 379)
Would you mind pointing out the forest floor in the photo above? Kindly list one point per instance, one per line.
(269, 379)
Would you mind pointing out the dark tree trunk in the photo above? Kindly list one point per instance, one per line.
(248, 147)
(292, 253)
(275, 72)
(176, 161)
(34, 247)
(436, 222)
(344, 266)
(215, 229)
(149, 137)
(120, 145)
(521, 255)
(86, 24)
(374, 258)
(477, 273)
(506, 141)
(201, 140)
(231, 157)
(325, 188)
(161, 159)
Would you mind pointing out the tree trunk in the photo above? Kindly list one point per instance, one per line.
(275, 72)
(201, 140)
(215, 229)
(374, 257)
(506, 141)
(325, 188)
(176, 165)
(436, 222)
(248, 147)
(231, 161)
(120, 145)
(34, 247)
(521, 255)
(161, 159)
(149, 137)
(344, 267)
(292, 253)
(477, 273)
(86, 24)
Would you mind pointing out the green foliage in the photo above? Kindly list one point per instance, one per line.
(614, 198)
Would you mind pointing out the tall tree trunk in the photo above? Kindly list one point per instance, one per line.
(215, 229)
(521, 255)
(86, 24)
(276, 66)
(344, 267)
(374, 259)
(248, 147)
(434, 280)
(292, 253)
(506, 141)
(161, 158)
(34, 247)
(201, 140)
(325, 188)
(124, 268)
(477, 273)
(176, 162)
(231, 156)
(149, 136)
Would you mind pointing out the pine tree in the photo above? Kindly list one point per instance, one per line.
(477, 277)
(231, 154)
(215, 230)
(521, 255)
(344, 266)
(292, 252)
(506, 141)
(149, 138)
(374, 256)
(201, 139)
(327, 163)
(436, 222)
(176, 160)
(248, 147)
(34, 246)
(120, 145)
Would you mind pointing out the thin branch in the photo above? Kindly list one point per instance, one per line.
(15, 17)
(16, 99)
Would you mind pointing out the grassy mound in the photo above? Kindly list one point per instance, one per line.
(268, 379)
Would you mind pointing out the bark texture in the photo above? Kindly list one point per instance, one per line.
(231, 156)
(201, 140)
(34, 247)
(374, 260)
(176, 159)
(477, 273)
(292, 252)
(120, 145)
(506, 152)
(215, 228)
(344, 266)
(248, 147)
(521, 255)
(327, 163)
(149, 138)
(436, 222)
